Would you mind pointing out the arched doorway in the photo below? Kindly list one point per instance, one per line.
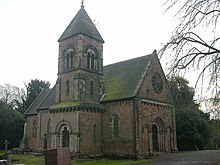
(65, 137)
(158, 135)
(155, 139)
(63, 134)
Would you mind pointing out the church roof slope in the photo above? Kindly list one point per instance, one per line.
(32, 110)
(49, 100)
(122, 79)
(81, 24)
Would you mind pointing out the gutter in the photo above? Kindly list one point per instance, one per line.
(117, 100)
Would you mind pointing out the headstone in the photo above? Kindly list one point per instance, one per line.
(6, 146)
(60, 156)
(8, 159)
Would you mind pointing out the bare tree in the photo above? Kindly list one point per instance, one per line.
(196, 40)
(11, 94)
(195, 43)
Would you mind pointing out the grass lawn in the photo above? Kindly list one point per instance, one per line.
(111, 162)
(28, 159)
(39, 160)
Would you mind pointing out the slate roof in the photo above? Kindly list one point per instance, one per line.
(81, 24)
(32, 110)
(123, 79)
(49, 100)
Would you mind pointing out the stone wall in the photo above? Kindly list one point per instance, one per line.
(146, 90)
(32, 140)
(60, 120)
(162, 116)
(124, 143)
(90, 132)
(80, 43)
(79, 77)
(84, 82)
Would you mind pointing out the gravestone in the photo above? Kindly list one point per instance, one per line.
(6, 147)
(8, 159)
(60, 156)
(6, 155)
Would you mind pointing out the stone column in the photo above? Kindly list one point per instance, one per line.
(150, 143)
(24, 141)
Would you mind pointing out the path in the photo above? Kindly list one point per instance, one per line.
(208, 157)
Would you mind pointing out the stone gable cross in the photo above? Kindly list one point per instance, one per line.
(6, 146)
(82, 3)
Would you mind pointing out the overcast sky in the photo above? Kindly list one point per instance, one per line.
(29, 31)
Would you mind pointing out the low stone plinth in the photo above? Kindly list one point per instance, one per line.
(60, 156)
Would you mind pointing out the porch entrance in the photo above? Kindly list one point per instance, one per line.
(155, 139)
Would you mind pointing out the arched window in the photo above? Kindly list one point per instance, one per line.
(68, 59)
(94, 132)
(88, 60)
(91, 88)
(48, 128)
(67, 87)
(92, 59)
(34, 129)
(115, 123)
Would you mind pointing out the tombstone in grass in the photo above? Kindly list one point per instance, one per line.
(9, 159)
(59, 156)
(6, 147)
(6, 152)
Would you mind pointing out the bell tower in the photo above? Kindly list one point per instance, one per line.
(80, 61)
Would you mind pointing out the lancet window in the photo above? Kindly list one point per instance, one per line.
(69, 59)
(115, 125)
(92, 59)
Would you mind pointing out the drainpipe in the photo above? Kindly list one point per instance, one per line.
(134, 128)
(175, 149)
(40, 116)
(102, 151)
(78, 132)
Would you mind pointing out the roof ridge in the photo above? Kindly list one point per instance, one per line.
(128, 60)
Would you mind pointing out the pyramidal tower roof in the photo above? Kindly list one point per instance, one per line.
(81, 24)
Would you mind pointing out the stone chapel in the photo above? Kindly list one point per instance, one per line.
(123, 108)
